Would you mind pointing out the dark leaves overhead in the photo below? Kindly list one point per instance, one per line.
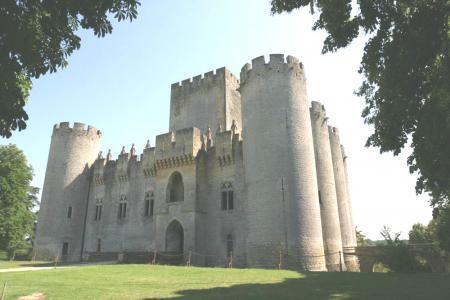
(406, 65)
(36, 37)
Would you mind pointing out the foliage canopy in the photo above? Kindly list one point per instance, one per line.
(37, 37)
(17, 199)
(406, 65)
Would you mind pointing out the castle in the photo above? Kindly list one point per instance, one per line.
(248, 173)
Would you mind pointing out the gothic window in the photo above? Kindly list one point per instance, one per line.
(99, 245)
(149, 204)
(65, 248)
(98, 209)
(122, 207)
(227, 196)
(69, 212)
(229, 245)
(175, 188)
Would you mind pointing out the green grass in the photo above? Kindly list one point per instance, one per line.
(154, 282)
(7, 264)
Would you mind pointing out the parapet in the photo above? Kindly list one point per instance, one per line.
(276, 62)
(224, 147)
(181, 143)
(333, 130)
(317, 106)
(318, 112)
(148, 162)
(78, 128)
(206, 80)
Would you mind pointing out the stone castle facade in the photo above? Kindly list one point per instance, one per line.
(249, 171)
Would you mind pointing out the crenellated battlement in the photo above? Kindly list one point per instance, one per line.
(318, 113)
(79, 128)
(333, 130)
(317, 106)
(224, 147)
(276, 62)
(205, 80)
(177, 148)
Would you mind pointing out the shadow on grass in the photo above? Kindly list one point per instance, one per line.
(334, 286)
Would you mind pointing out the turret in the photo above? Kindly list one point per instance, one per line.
(345, 217)
(326, 189)
(280, 171)
(66, 190)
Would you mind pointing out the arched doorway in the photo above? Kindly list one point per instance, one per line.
(175, 188)
(174, 237)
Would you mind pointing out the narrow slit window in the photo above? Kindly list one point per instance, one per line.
(147, 208)
(229, 245)
(98, 209)
(99, 245)
(122, 212)
(224, 201)
(69, 212)
(149, 204)
(230, 200)
(65, 248)
(152, 205)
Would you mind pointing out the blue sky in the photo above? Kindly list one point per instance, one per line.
(121, 85)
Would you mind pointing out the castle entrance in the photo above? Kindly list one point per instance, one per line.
(174, 237)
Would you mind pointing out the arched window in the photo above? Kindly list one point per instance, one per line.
(227, 199)
(175, 188)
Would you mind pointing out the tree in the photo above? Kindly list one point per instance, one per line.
(397, 255)
(17, 199)
(406, 65)
(37, 37)
(361, 239)
(441, 224)
(421, 234)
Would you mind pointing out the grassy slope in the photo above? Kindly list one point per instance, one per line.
(149, 282)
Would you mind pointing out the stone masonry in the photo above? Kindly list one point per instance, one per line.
(249, 174)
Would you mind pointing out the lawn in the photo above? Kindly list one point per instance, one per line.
(7, 264)
(154, 282)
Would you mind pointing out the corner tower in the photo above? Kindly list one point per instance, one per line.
(343, 200)
(280, 171)
(327, 189)
(66, 190)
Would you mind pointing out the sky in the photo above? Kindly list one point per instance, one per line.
(121, 85)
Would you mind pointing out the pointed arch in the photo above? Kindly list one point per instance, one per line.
(175, 188)
(175, 237)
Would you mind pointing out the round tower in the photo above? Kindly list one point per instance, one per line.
(327, 189)
(345, 216)
(349, 201)
(66, 189)
(280, 172)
